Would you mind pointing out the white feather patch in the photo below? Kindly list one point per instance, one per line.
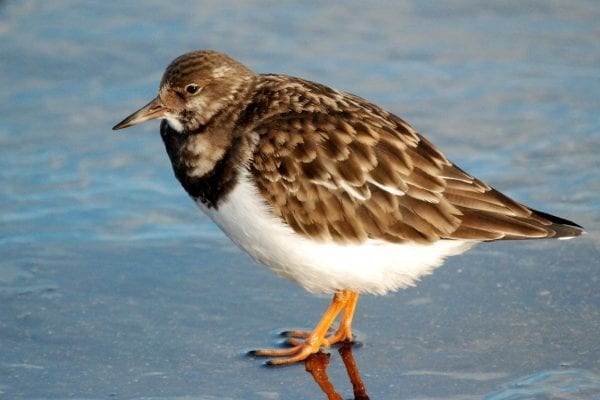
(374, 266)
(353, 192)
(174, 123)
(387, 188)
(344, 186)
(328, 184)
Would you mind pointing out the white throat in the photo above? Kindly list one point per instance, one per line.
(174, 123)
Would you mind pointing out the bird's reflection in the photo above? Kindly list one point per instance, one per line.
(316, 365)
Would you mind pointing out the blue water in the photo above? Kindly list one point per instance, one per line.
(113, 285)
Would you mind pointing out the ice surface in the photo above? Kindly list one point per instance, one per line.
(113, 286)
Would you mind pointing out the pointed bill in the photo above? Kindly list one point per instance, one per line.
(154, 109)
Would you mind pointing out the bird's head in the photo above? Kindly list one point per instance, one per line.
(193, 89)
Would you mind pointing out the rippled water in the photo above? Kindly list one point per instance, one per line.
(112, 285)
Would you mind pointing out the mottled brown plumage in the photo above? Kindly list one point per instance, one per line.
(336, 167)
(324, 187)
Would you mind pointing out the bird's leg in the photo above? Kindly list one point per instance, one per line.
(344, 331)
(315, 340)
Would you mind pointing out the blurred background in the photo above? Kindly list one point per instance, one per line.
(113, 285)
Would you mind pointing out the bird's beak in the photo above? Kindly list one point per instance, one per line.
(154, 109)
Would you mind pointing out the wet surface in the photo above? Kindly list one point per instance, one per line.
(113, 285)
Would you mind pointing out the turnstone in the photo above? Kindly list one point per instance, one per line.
(322, 186)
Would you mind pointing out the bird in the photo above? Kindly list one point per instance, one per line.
(324, 187)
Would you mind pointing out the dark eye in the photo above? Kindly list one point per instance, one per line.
(192, 88)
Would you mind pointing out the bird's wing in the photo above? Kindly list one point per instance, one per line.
(336, 167)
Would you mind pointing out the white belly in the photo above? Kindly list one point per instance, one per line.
(372, 267)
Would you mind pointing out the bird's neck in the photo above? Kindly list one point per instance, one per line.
(207, 162)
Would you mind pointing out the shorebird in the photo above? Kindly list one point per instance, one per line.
(324, 187)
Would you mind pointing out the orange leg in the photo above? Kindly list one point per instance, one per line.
(344, 300)
(344, 331)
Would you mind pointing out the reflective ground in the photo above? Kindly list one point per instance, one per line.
(114, 286)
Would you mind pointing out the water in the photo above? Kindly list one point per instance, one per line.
(112, 284)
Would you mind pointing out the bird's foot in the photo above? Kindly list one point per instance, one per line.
(306, 343)
(343, 334)
(303, 344)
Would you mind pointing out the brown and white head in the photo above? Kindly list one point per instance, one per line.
(194, 88)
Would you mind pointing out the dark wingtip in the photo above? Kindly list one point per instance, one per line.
(564, 228)
(557, 220)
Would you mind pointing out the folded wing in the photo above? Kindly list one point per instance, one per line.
(345, 170)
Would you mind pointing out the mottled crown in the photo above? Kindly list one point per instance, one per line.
(204, 65)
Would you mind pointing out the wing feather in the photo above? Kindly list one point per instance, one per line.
(338, 168)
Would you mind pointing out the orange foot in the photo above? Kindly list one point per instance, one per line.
(313, 341)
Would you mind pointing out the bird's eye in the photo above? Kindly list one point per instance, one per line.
(192, 88)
